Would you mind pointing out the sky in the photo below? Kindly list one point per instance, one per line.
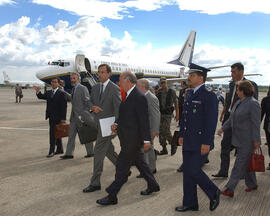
(33, 32)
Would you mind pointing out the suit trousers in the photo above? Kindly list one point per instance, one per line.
(150, 157)
(122, 170)
(54, 141)
(71, 141)
(193, 175)
(267, 134)
(240, 170)
(103, 147)
(226, 143)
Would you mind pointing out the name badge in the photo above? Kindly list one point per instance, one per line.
(196, 102)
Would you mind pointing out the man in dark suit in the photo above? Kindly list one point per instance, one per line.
(56, 112)
(237, 73)
(134, 133)
(196, 135)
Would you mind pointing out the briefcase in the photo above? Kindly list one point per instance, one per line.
(175, 138)
(61, 130)
(87, 133)
(257, 161)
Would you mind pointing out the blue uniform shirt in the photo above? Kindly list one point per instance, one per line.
(199, 119)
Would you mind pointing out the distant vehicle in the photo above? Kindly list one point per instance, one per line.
(23, 84)
(174, 71)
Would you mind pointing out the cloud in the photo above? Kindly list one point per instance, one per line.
(214, 7)
(24, 46)
(2, 2)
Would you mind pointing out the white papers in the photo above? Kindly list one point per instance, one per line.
(105, 125)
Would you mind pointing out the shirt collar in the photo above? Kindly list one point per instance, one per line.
(147, 92)
(105, 84)
(55, 90)
(196, 88)
(130, 90)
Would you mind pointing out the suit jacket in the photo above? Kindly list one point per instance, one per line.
(80, 101)
(245, 122)
(56, 109)
(199, 119)
(133, 124)
(229, 95)
(265, 105)
(154, 113)
(109, 102)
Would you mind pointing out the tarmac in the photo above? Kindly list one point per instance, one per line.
(33, 185)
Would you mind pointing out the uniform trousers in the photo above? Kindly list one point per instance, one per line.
(123, 165)
(165, 130)
(193, 175)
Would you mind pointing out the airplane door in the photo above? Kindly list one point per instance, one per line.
(79, 63)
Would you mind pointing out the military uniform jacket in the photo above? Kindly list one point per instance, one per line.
(199, 119)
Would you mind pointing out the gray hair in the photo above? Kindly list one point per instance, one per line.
(130, 76)
(144, 82)
(76, 74)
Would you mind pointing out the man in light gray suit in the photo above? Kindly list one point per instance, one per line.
(244, 120)
(105, 102)
(80, 101)
(154, 118)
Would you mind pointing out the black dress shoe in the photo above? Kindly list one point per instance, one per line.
(180, 169)
(186, 208)
(148, 191)
(89, 155)
(91, 188)
(154, 171)
(60, 152)
(163, 152)
(50, 155)
(268, 168)
(108, 200)
(215, 202)
(206, 161)
(220, 175)
(64, 157)
(129, 173)
(173, 149)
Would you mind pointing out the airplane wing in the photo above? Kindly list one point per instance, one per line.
(209, 78)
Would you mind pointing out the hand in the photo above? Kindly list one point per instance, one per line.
(256, 145)
(114, 128)
(147, 146)
(154, 134)
(37, 88)
(180, 141)
(205, 149)
(220, 132)
(96, 109)
(62, 121)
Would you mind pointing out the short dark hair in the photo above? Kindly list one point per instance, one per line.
(246, 87)
(204, 75)
(57, 78)
(238, 65)
(108, 68)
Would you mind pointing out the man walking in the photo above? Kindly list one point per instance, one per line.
(105, 102)
(56, 111)
(154, 118)
(18, 93)
(133, 131)
(80, 101)
(197, 131)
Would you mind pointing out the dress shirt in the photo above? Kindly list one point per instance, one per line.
(196, 88)
(105, 84)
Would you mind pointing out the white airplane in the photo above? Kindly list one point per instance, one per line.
(23, 84)
(174, 71)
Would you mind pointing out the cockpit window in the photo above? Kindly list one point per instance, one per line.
(60, 63)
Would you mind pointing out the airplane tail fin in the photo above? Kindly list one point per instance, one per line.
(185, 56)
(6, 77)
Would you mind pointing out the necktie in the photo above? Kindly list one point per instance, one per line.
(72, 91)
(235, 98)
(101, 91)
(53, 92)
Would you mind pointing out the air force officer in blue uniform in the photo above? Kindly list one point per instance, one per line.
(197, 130)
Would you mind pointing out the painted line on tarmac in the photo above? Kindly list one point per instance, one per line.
(29, 129)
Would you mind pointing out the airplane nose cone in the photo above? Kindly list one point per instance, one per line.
(40, 74)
